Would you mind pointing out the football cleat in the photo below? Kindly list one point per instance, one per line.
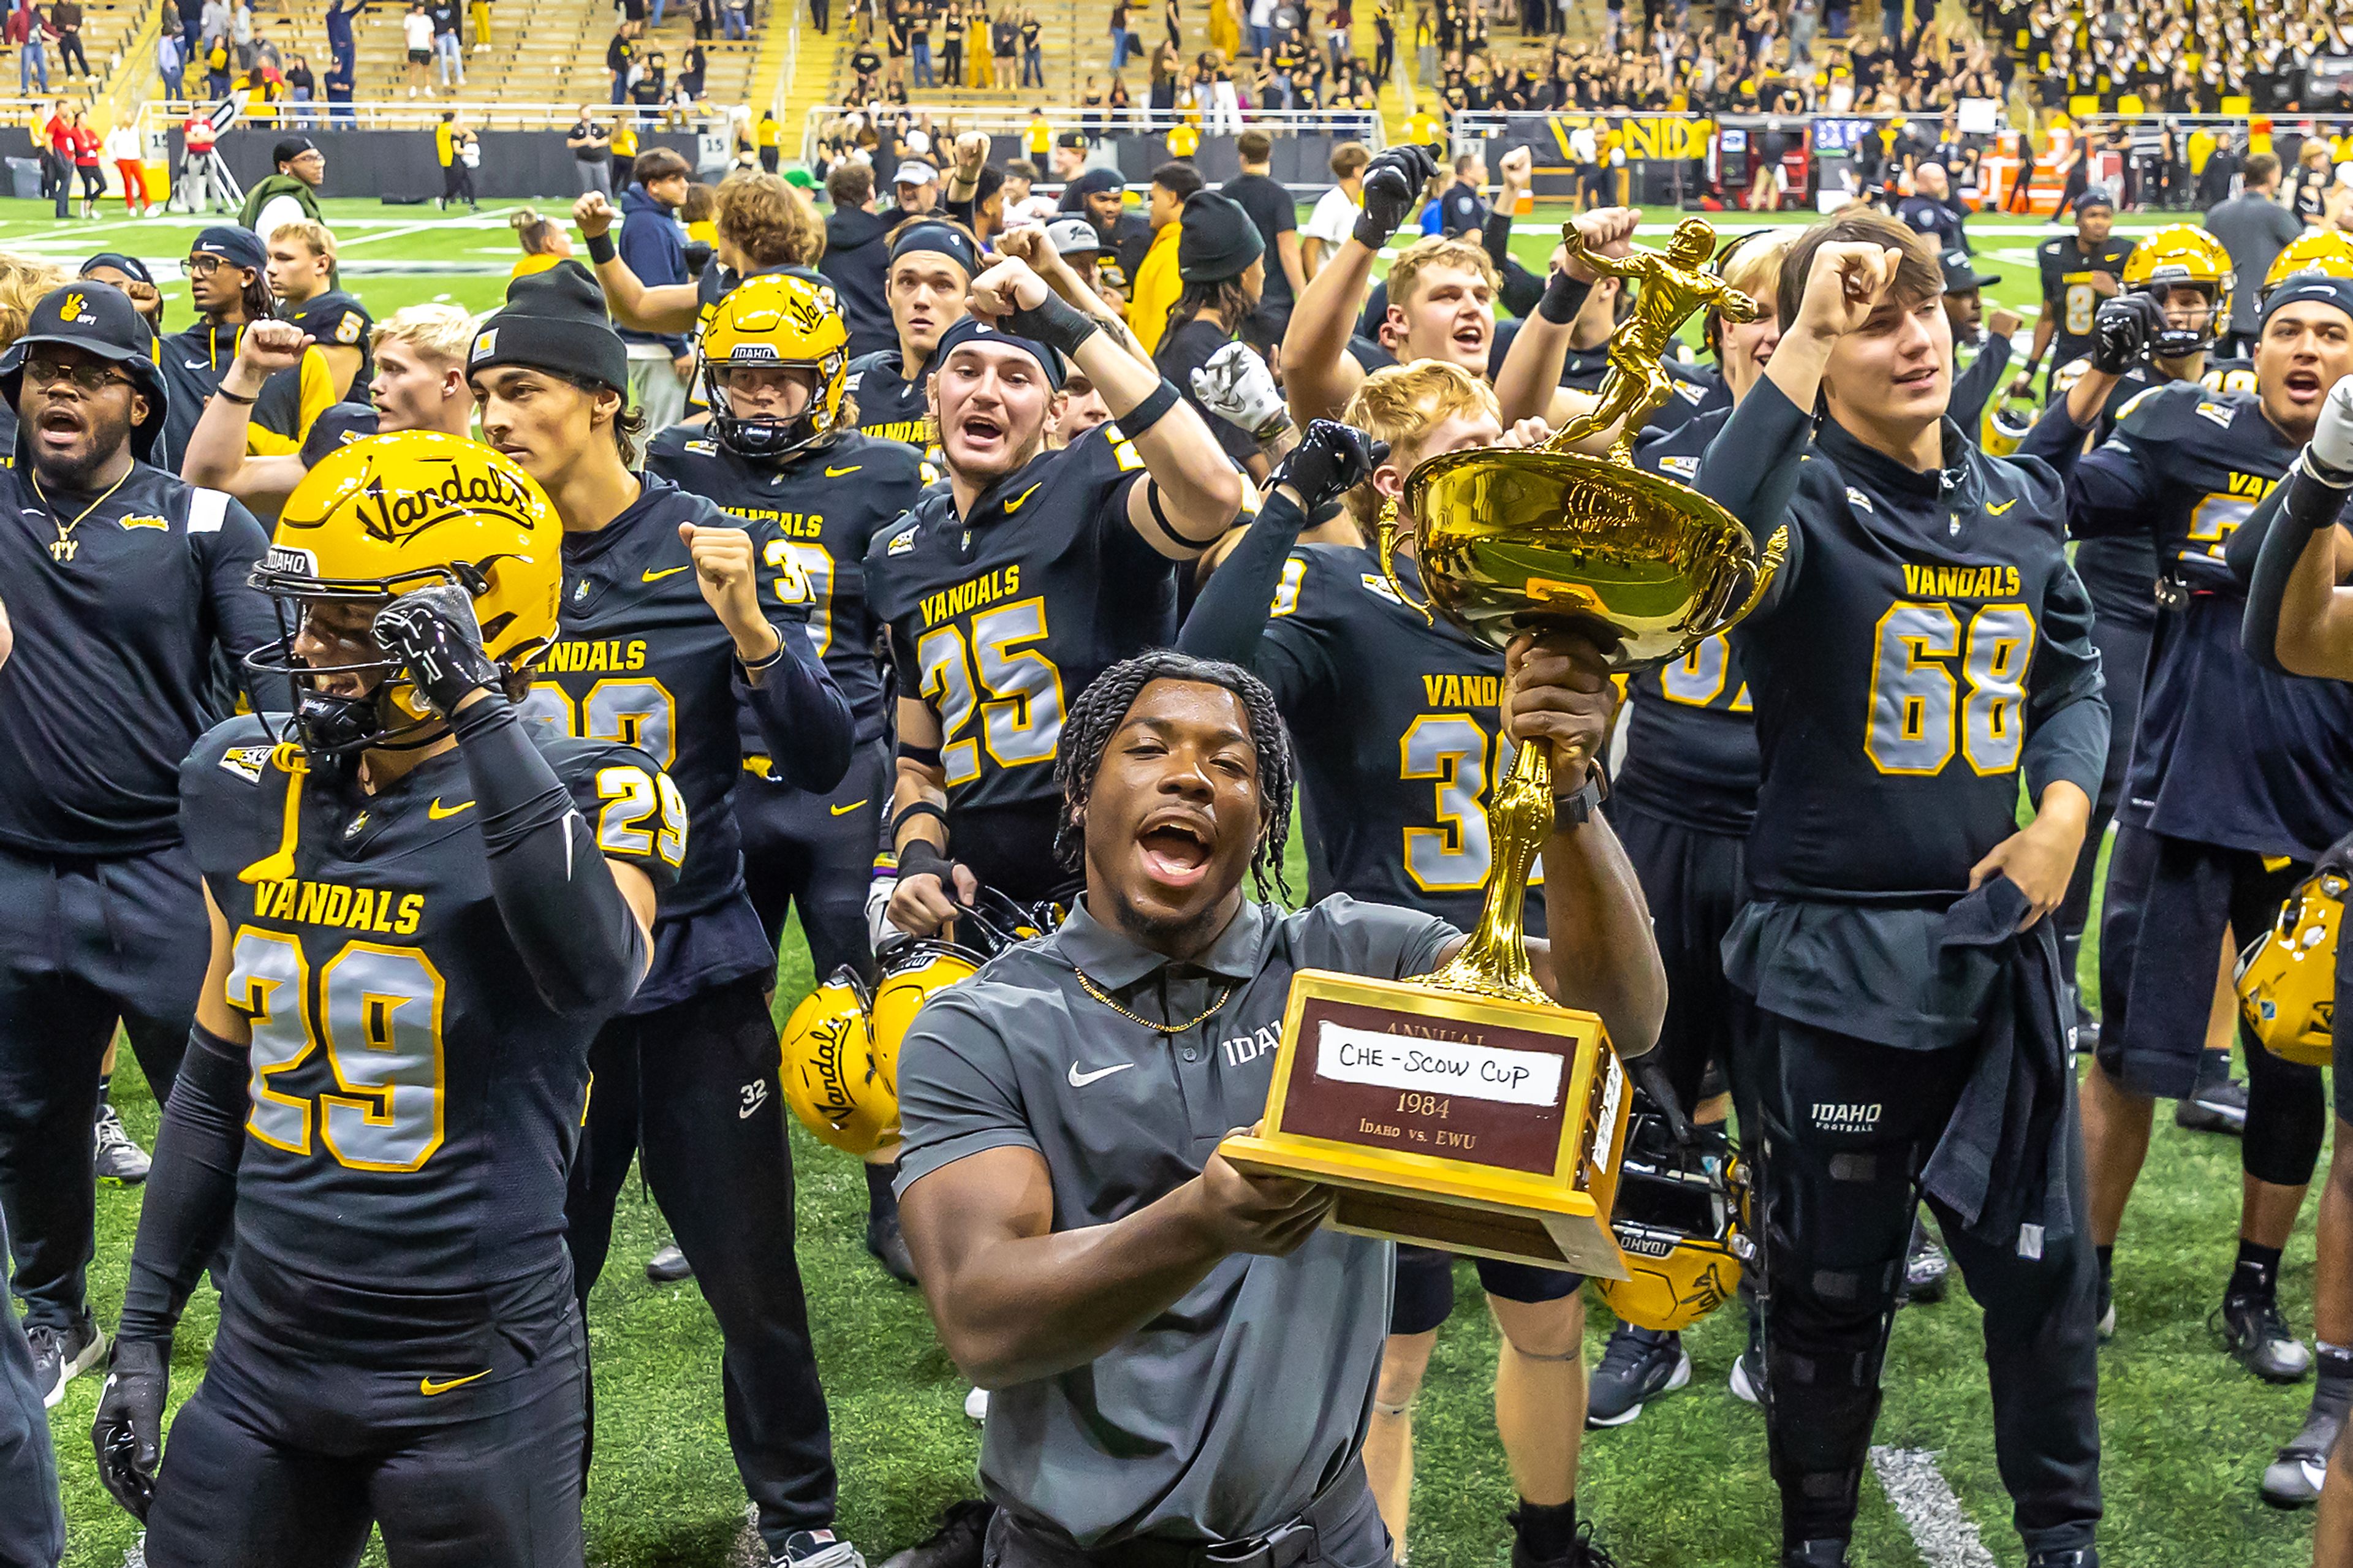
(60, 1355)
(2219, 1107)
(1816, 1554)
(2066, 1557)
(2104, 1325)
(1585, 1553)
(669, 1266)
(817, 1548)
(889, 1245)
(114, 1159)
(1748, 1367)
(2256, 1333)
(956, 1543)
(976, 1405)
(1925, 1268)
(2294, 1479)
(1637, 1365)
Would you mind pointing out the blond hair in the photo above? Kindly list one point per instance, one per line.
(1437, 250)
(1401, 404)
(310, 232)
(444, 331)
(22, 282)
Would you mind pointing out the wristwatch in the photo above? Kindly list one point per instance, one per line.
(1575, 808)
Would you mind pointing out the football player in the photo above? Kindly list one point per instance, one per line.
(124, 587)
(2240, 777)
(781, 446)
(1028, 574)
(418, 384)
(2079, 270)
(668, 622)
(422, 908)
(302, 276)
(933, 263)
(229, 283)
(1922, 653)
(1397, 722)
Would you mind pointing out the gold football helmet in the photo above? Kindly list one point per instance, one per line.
(388, 515)
(1679, 1219)
(2004, 423)
(2325, 250)
(768, 321)
(908, 977)
(2177, 256)
(830, 1075)
(2287, 976)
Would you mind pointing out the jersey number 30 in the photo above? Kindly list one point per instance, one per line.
(1916, 704)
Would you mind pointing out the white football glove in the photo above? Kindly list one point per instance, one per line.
(1237, 387)
(2331, 437)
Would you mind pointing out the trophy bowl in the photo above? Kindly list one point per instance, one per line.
(1515, 540)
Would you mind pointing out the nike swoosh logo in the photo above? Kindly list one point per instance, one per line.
(665, 572)
(427, 1387)
(837, 473)
(846, 810)
(1081, 1079)
(194, 363)
(1998, 508)
(440, 813)
(1015, 504)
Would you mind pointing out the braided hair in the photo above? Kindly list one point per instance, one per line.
(1105, 703)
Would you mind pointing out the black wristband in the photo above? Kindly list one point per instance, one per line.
(601, 248)
(915, 810)
(929, 756)
(1575, 807)
(224, 394)
(925, 858)
(1564, 297)
(1057, 324)
(1146, 414)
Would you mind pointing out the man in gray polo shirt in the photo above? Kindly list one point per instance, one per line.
(1181, 1359)
(2255, 228)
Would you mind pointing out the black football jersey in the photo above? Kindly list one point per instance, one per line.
(1396, 727)
(1920, 629)
(1690, 725)
(2228, 376)
(2228, 752)
(999, 619)
(2067, 289)
(889, 407)
(414, 1104)
(826, 506)
(337, 319)
(1699, 390)
(338, 427)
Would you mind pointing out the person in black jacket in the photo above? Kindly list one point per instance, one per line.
(857, 259)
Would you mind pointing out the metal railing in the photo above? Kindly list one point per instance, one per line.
(415, 115)
(1137, 120)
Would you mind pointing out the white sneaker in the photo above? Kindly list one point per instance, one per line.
(976, 1405)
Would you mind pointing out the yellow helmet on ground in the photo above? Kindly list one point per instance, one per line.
(769, 321)
(2180, 256)
(2287, 976)
(2004, 423)
(1679, 1218)
(829, 1074)
(386, 516)
(2323, 250)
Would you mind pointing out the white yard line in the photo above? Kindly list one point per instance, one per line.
(1946, 1535)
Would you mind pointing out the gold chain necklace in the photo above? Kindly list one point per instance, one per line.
(1087, 983)
(62, 547)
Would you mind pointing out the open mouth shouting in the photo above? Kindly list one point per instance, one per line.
(1175, 844)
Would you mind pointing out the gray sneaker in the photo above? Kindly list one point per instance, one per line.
(2294, 1478)
(1637, 1366)
(114, 1159)
(2257, 1335)
(60, 1355)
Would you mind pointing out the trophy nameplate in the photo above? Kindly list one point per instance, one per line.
(1476, 1124)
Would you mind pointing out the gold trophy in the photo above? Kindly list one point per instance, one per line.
(1465, 1109)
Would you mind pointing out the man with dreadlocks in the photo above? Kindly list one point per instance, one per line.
(229, 283)
(1183, 1360)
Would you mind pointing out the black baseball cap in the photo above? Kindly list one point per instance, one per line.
(291, 148)
(2094, 198)
(100, 321)
(1961, 276)
(237, 246)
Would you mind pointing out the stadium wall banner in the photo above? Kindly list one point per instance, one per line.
(1304, 159)
(400, 164)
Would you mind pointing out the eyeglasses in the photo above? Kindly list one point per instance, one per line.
(89, 378)
(205, 266)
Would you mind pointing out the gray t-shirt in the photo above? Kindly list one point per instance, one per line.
(1225, 1415)
(2254, 230)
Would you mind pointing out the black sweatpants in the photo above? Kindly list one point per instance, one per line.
(1694, 883)
(32, 1520)
(82, 944)
(2119, 576)
(2160, 937)
(1848, 1125)
(818, 851)
(691, 1090)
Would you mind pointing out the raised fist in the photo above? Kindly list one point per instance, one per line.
(1330, 460)
(435, 635)
(2123, 330)
(1237, 387)
(1393, 182)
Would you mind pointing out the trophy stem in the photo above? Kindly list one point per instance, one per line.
(1495, 963)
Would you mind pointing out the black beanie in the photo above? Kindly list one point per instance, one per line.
(554, 321)
(1217, 240)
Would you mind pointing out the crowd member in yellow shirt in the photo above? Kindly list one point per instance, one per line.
(543, 240)
(1422, 128)
(770, 137)
(1183, 140)
(1155, 286)
(1037, 137)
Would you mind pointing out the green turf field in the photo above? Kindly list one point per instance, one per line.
(2187, 1434)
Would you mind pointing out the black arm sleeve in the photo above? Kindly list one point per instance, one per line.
(2263, 553)
(1751, 467)
(1520, 288)
(2108, 489)
(1229, 616)
(564, 912)
(191, 1191)
(1975, 384)
(802, 716)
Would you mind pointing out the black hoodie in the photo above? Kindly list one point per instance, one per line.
(857, 261)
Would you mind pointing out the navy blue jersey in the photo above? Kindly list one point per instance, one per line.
(2136, 380)
(1691, 726)
(1395, 723)
(414, 1103)
(2068, 290)
(1699, 390)
(2229, 375)
(120, 629)
(2228, 752)
(338, 427)
(825, 505)
(889, 407)
(336, 319)
(1922, 633)
(997, 619)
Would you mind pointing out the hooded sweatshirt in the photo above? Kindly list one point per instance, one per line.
(857, 262)
(655, 248)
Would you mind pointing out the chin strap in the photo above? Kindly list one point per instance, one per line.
(276, 867)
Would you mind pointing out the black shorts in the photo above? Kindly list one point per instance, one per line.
(1425, 1286)
(419, 57)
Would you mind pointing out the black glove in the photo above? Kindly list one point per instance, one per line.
(1392, 183)
(1649, 1076)
(921, 857)
(2123, 330)
(433, 633)
(1331, 459)
(129, 1432)
(698, 256)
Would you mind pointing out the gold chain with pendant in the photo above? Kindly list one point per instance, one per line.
(62, 547)
(1087, 982)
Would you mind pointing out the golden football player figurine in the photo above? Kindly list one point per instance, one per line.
(1673, 286)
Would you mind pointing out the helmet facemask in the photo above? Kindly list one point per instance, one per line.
(2172, 343)
(772, 441)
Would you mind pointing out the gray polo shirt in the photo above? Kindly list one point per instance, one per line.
(1225, 1415)
(2254, 230)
